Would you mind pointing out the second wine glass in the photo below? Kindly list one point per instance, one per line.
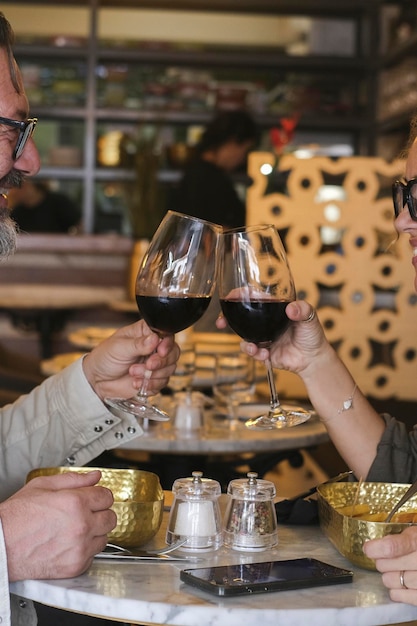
(174, 286)
(255, 286)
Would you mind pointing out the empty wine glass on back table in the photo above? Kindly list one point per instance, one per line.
(255, 286)
(174, 286)
(234, 382)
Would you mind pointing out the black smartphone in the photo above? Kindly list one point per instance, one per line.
(231, 580)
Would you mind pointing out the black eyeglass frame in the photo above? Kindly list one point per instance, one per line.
(406, 198)
(26, 129)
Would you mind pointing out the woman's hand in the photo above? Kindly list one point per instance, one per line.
(112, 368)
(396, 558)
(299, 347)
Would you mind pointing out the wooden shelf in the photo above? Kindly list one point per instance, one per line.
(47, 51)
(59, 112)
(229, 56)
(233, 57)
(330, 8)
(67, 173)
(109, 115)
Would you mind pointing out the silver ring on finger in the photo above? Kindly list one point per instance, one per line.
(402, 583)
(311, 316)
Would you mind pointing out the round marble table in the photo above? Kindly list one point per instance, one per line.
(221, 436)
(152, 593)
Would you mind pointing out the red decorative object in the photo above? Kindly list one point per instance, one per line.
(282, 135)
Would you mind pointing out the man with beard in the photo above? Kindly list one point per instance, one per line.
(53, 526)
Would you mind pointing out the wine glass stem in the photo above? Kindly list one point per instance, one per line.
(274, 400)
(143, 391)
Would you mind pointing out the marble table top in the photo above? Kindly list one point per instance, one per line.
(220, 436)
(152, 593)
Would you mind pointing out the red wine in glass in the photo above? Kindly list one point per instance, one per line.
(169, 315)
(174, 286)
(257, 321)
(255, 287)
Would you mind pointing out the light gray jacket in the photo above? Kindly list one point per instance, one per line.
(61, 422)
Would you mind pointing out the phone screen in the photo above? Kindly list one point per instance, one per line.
(227, 580)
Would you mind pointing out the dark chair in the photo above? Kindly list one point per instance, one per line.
(19, 374)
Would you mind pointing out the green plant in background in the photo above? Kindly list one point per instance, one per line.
(145, 196)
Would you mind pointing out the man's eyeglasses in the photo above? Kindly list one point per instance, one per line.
(405, 193)
(26, 129)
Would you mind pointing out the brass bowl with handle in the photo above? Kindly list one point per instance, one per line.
(348, 534)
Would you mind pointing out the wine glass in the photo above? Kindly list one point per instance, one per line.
(255, 286)
(234, 381)
(182, 379)
(174, 286)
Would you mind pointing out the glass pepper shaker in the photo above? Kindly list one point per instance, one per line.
(250, 520)
(195, 514)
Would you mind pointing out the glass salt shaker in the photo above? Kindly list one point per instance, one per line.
(189, 413)
(195, 514)
(250, 520)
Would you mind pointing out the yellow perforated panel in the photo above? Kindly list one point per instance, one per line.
(336, 218)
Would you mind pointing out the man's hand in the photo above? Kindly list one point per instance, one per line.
(115, 368)
(55, 525)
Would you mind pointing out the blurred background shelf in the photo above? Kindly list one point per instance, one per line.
(129, 77)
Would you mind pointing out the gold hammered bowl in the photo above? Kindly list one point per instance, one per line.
(348, 534)
(138, 501)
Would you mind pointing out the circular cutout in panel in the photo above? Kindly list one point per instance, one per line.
(332, 321)
(356, 353)
(384, 326)
(382, 382)
(410, 354)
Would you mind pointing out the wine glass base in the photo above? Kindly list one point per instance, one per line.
(279, 419)
(136, 408)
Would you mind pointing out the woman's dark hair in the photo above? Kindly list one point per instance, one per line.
(6, 42)
(411, 137)
(228, 126)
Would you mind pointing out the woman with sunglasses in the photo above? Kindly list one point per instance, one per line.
(376, 447)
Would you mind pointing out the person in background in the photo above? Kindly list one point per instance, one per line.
(376, 447)
(38, 209)
(53, 526)
(206, 189)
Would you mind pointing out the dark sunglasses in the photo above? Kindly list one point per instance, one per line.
(405, 193)
(26, 129)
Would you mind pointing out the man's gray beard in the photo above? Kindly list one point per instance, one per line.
(8, 234)
(8, 227)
